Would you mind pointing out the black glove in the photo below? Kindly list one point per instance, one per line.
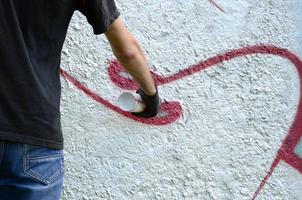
(151, 102)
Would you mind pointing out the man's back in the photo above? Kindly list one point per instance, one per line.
(32, 34)
(31, 37)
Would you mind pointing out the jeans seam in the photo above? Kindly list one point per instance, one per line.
(40, 177)
(58, 172)
(39, 157)
(34, 174)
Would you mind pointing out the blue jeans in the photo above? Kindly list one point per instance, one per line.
(30, 172)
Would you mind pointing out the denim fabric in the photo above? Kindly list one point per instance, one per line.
(30, 172)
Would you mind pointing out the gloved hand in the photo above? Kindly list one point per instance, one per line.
(152, 104)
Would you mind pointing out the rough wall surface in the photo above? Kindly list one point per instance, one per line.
(236, 115)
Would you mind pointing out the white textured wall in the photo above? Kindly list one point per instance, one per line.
(236, 114)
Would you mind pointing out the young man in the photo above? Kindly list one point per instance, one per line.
(32, 33)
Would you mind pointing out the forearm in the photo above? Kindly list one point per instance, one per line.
(128, 52)
(137, 66)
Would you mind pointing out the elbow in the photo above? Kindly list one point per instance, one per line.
(127, 53)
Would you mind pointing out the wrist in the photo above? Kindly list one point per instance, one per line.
(151, 92)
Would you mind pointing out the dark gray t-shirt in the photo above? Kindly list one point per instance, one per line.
(32, 33)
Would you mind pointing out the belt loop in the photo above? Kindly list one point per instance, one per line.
(25, 149)
(2, 143)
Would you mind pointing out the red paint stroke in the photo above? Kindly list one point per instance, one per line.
(169, 111)
(268, 175)
(217, 6)
(172, 110)
(286, 152)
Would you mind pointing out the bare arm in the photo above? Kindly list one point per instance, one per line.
(130, 55)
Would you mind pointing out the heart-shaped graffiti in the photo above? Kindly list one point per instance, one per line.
(171, 111)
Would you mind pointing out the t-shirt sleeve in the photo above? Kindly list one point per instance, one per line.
(99, 13)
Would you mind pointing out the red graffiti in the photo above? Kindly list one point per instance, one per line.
(216, 5)
(171, 111)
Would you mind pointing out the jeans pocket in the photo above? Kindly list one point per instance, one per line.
(43, 164)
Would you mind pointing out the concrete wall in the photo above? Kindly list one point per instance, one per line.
(227, 122)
